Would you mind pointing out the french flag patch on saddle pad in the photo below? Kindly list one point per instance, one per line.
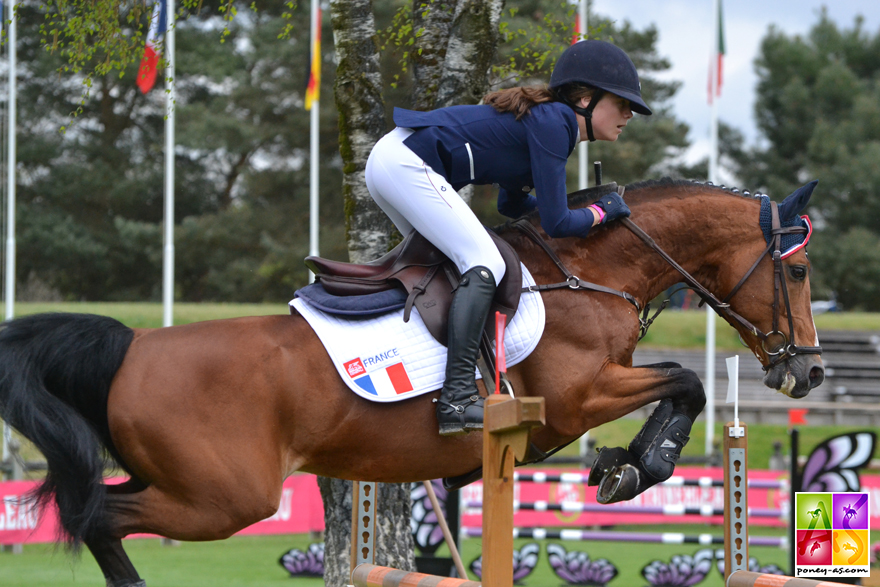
(384, 359)
(384, 381)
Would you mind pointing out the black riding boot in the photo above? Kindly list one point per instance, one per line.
(460, 407)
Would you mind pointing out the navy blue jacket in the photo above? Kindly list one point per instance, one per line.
(479, 145)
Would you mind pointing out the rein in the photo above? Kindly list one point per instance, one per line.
(778, 352)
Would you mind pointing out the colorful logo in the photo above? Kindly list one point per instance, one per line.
(831, 534)
(383, 374)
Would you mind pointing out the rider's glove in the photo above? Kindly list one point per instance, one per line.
(611, 207)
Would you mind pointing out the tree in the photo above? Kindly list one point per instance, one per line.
(453, 60)
(90, 199)
(818, 109)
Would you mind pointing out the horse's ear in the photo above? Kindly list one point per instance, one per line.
(797, 201)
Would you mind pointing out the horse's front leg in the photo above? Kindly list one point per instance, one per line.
(620, 473)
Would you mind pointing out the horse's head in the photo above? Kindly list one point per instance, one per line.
(774, 298)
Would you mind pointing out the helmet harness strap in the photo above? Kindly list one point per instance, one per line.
(587, 112)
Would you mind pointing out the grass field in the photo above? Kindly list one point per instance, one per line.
(252, 561)
(673, 328)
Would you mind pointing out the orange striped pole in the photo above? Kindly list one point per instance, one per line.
(749, 579)
(372, 576)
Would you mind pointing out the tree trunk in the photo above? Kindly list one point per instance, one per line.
(394, 541)
(473, 40)
(429, 55)
(358, 93)
(458, 45)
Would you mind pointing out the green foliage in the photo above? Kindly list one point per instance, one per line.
(91, 200)
(850, 268)
(818, 107)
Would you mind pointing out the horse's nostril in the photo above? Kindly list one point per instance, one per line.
(817, 376)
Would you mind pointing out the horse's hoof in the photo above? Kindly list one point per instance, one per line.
(619, 484)
(608, 458)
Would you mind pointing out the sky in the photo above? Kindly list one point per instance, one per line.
(685, 38)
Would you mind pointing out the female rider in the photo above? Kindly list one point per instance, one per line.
(519, 139)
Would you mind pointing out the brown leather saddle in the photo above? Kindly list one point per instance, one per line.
(426, 274)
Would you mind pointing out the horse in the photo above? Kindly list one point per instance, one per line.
(207, 419)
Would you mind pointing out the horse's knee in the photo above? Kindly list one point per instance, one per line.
(689, 397)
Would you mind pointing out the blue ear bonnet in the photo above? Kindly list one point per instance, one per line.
(790, 243)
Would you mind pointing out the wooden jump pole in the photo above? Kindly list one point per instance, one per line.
(736, 544)
(749, 579)
(506, 427)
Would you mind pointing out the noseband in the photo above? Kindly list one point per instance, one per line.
(778, 352)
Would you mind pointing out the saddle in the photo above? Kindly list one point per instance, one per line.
(426, 274)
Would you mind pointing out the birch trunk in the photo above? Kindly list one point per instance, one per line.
(429, 56)
(473, 40)
(394, 541)
(358, 93)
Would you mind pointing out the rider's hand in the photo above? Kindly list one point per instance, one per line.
(612, 206)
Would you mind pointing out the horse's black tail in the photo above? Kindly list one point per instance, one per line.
(55, 375)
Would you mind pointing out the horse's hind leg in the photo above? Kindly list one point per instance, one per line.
(114, 563)
(650, 458)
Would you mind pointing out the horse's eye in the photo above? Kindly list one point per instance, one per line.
(798, 272)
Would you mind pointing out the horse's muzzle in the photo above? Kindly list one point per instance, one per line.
(796, 376)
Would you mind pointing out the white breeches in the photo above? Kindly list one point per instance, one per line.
(414, 196)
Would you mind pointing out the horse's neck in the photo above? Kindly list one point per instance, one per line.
(700, 232)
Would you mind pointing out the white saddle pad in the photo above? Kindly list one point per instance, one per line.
(385, 359)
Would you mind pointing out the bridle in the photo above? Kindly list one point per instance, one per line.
(775, 344)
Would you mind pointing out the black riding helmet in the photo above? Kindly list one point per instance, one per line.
(603, 66)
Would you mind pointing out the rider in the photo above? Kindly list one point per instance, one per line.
(520, 140)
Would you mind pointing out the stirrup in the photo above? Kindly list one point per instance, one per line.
(465, 415)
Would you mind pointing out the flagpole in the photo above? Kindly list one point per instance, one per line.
(10, 173)
(583, 148)
(713, 177)
(10, 193)
(313, 150)
(168, 261)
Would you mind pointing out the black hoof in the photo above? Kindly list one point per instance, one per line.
(619, 484)
(608, 459)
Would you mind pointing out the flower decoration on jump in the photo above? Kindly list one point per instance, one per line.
(576, 568)
(426, 530)
(682, 571)
(304, 564)
(524, 561)
(754, 565)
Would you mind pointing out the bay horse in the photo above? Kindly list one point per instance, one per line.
(209, 418)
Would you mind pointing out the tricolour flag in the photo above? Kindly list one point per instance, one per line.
(717, 60)
(146, 77)
(383, 382)
(313, 90)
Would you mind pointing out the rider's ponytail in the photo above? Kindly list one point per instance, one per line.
(520, 100)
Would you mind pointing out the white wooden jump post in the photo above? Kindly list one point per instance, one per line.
(505, 438)
(736, 544)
